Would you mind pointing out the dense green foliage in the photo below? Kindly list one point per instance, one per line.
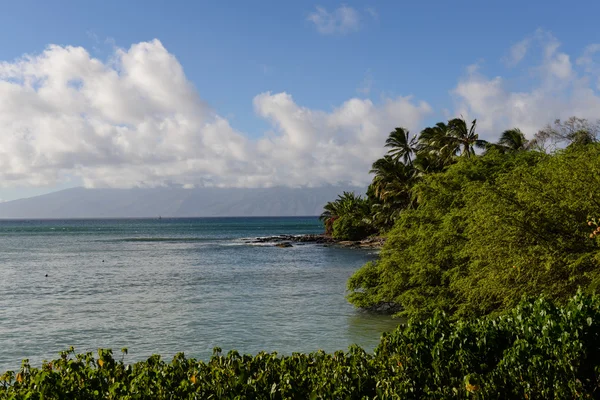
(471, 233)
(488, 230)
(411, 158)
(346, 217)
(467, 236)
(348, 228)
(535, 351)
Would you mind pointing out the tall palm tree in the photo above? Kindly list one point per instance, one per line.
(513, 140)
(390, 189)
(433, 137)
(464, 137)
(401, 145)
(390, 175)
(435, 149)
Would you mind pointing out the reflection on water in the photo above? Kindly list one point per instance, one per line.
(363, 326)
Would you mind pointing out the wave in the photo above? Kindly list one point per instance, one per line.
(169, 239)
(239, 243)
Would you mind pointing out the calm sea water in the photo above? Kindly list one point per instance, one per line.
(171, 285)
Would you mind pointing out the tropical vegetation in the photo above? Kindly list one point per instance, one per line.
(471, 225)
(492, 256)
(537, 350)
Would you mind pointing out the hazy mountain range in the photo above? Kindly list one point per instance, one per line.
(174, 202)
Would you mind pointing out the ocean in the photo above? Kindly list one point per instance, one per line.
(163, 286)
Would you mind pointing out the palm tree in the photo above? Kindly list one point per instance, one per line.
(329, 215)
(513, 140)
(347, 204)
(463, 137)
(383, 215)
(330, 210)
(390, 190)
(351, 204)
(436, 149)
(401, 145)
(390, 174)
(433, 137)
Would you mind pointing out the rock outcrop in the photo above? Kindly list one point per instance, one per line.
(287, 240)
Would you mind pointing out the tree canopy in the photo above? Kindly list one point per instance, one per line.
(470, 232)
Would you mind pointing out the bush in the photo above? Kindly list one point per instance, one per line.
(487, 231)
(348, 227)
(535, 351)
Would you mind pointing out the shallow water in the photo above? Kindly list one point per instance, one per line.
(171, 285)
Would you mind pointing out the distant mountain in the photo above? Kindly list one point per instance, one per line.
(174, 202)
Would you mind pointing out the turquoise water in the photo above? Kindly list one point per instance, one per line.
(171, 285)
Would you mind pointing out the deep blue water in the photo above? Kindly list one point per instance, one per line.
(171, 285)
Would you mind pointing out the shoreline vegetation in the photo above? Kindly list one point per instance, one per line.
(467, 232)
(493, 257)
(537, 350)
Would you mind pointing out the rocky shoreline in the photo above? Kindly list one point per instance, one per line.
(325, 240)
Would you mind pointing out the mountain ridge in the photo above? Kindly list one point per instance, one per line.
(81, 202)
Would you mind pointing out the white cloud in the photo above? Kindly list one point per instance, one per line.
(589, 64)
(342, 20)
(560, 92)
(518, 52)
(138, 121)
(329, 147)
(587, 59)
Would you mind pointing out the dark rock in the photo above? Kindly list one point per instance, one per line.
(284, 244)
(371, 242)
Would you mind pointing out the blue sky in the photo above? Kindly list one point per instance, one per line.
(320, 54)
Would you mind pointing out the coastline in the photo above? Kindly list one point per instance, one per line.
(322, 239)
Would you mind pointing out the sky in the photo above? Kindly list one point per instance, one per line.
(271, 93)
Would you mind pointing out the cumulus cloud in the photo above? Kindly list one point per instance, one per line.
(559, 91)
(137, 121)
(342, 20)
(318, 141)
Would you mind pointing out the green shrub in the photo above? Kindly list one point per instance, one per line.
(488, 230)
(348, 227)
(534, 351)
